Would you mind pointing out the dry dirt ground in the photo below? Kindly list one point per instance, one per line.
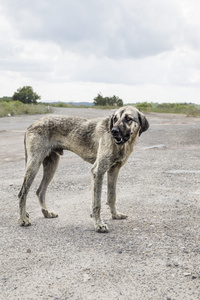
(154, 254)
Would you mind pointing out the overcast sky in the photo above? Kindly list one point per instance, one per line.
(70, 50)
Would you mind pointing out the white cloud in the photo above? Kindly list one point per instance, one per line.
(113, 28)
(71, 49)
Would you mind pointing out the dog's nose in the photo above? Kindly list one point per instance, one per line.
(115, 130)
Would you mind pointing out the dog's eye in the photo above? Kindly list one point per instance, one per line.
(115, 119)
(128, 119)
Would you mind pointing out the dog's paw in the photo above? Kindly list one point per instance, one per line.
(24, 222)
(102, 228)
(119, 216)
(48, 214)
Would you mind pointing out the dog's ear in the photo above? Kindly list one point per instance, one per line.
(144, 124)
(111, 122)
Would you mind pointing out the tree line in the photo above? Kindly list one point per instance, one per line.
(26, 95)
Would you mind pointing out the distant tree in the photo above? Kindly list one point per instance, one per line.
(120, 102)
(26, 95)
(99, 100)
(5, 99)
(103, 101)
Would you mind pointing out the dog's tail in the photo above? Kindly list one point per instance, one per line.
(25, 149)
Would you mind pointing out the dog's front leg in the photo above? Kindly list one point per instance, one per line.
(97, 179)
(112, 176)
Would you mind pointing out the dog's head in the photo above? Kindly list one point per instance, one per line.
(127, 122)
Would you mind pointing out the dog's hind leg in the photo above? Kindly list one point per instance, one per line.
(32, 168)
(50, 165)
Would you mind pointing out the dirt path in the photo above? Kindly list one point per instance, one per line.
(154, 254)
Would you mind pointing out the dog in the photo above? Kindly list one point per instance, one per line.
(106, 143)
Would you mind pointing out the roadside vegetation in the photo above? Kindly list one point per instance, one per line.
(188, 109)
(24, 101)
(14, 108)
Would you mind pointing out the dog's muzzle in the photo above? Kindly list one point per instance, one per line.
(119, 139)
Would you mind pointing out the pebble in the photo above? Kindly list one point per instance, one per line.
(86, 277)
(28, 250)
(168, 265)
(4, 278)
(185, 250)
(186, 274)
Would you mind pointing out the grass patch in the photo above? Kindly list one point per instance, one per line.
(68, 105)
(175, 108)
(14, 108)
(105, 107)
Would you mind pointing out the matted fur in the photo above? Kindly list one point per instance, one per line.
(106, 143)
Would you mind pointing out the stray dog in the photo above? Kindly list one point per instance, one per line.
(106, 143)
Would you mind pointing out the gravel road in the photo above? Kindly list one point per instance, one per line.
(154, 254)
